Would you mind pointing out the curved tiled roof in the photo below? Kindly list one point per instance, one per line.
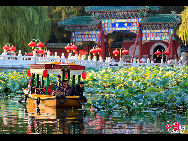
(80, 20)
(119, 8)
(160, 19)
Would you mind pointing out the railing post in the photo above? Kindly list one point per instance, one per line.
(162, 64)
(82, 58)
(62, 55)
(148, 62)
(120, 62)
(69, 57)
(55, 55)
(108, 59)
(95, 61)
(20, 53)
(100, 59)
(35, 57)
(183, 55)
(134, 62)
(176, 62)
(76, 57)
(5, 57)
(20, 57)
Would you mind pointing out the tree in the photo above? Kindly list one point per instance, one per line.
(183, 28)
(58, 34)
(168, 9)
(21, 24)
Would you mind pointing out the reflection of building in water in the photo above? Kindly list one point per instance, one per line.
(99, 125)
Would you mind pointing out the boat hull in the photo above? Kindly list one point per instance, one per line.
(72, 101)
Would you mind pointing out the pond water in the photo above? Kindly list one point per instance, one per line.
(15, 118)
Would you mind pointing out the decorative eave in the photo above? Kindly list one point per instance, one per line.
(160, 21)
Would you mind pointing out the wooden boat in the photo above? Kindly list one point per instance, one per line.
(57, 69)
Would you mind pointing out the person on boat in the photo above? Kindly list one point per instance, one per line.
(49, 89)
(58, 83)
(66, 88)
(59, 89)
(77, 90)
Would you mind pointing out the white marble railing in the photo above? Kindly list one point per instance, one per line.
(25, 60)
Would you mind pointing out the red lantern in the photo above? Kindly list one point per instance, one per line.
(84, 74)
(40, 44)
(74, 48)
(12, 48)
(68, 48)
(98, 50)
(6, 47)
(32, 44)
(44, 74)
(93, 51)
(28, 74)
(116, 52)
(157, 53)
(166, 53)
(40, 51)
(126, 52)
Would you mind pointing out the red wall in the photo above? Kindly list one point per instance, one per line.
(125, 45)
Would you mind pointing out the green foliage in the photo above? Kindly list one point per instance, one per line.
(21, 24)
(168, 9)
(13, 82)
(139, 89)
(58, 34)
(183, 28)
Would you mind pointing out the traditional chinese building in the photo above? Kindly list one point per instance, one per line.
(134, 28)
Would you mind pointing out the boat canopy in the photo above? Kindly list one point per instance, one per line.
(56, 69)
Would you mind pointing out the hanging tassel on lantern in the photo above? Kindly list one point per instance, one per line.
(44, 74)
(28, 74)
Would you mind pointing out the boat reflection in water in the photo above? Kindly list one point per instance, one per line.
(48, 119)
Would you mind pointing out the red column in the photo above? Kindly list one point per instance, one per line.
(107, 44)
(172, 49)
(140, 43)
(135, 46)
(103, 53)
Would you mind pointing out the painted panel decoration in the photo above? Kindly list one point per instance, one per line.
(110, 25)
(157, 34)
(85, 36)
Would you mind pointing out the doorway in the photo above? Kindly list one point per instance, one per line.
(159, 48)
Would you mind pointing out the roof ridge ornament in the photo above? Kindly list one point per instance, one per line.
(174, 14)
